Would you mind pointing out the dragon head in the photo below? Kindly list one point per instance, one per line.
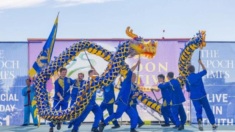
(139, 47)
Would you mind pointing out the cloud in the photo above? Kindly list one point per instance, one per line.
(9, 4)
(79, 2)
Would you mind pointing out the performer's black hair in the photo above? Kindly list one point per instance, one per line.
(170, 74)
(90, 71)
(161, 76)
(63, 69)
(191, 68)
(28, 79)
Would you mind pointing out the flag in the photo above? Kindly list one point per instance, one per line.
(44, 57)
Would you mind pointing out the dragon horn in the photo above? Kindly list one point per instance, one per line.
(130, 33)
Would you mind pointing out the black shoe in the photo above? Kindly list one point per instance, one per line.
(74, 130)
(181, 127)
(51, 129)
(101, 127)
(24, 125)
(94, 130)
(214, 127)
(115, 126)
(58, 126)
(133, 130)
(200, 126)
(35, 124)
(165, 125)
(175, 127)
(140, 125)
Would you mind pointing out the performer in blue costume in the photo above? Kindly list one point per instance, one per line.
(123, 103)
(62, 94)
(166, 97)
(195, 86)
(133, 104)
(92, 106)
(177, 100)
(28, 93)
(77, 85)
(109, 98)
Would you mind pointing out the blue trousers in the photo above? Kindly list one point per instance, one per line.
(96, 111)
(63, 105)
(178, 110)
(120, 110)
(134, 106)
(27, 110)
(167, 113)
(203, 102)
(109, 108)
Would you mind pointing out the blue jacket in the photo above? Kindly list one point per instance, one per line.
(109, 96)
(28, 96)
(195, 86)
(62, 86)
(77, 86)
(175, 88)
(125, 91)
(166, 95)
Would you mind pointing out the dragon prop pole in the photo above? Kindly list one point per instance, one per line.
(199, 59)
(154, 95)
(138, 71)
(88, 58)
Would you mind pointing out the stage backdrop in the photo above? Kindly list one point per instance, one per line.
(13, 73)
(17, 58)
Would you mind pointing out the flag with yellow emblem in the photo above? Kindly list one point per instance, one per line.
(44, 57)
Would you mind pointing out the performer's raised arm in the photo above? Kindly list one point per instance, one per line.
(200, 62)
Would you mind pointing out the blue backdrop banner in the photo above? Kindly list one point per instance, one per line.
(13, 73)
(219, 81)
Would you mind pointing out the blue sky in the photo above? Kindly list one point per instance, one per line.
(22, 19)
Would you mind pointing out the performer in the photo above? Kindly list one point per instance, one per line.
(62, 94)
(92, 106)
(77, 86)
(28, 93)
(109, 98)
(123, 103)
(167, 97)
(134, 102)
(177, 100)
(195, 86)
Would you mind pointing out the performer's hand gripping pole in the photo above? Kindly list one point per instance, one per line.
(60, 100)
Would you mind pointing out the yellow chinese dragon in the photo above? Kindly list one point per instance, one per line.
(116, 66)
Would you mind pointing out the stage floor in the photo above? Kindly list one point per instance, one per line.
(124, 128)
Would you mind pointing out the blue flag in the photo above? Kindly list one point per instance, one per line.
(45, 55)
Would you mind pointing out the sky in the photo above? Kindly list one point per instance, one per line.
(23, 19)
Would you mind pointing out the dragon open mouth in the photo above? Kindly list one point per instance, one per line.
(139, 47)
